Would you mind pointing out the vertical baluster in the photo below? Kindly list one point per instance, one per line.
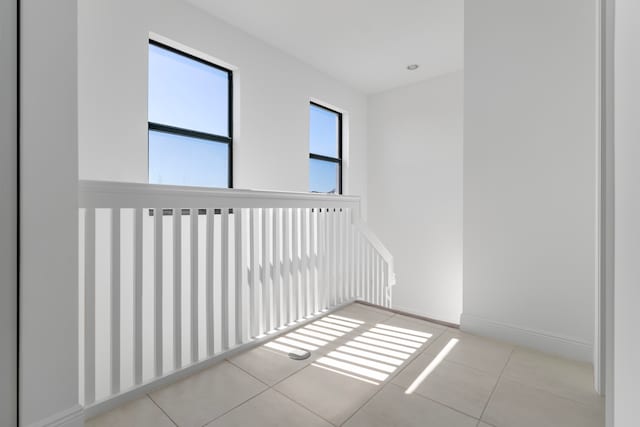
(386, 284)
(209, 257)
(253, 293)
(334, 258)
(157, 310)
(115, 301)
(381, 280)
(321, 260)
(363, 265)
(340, 257)
(367, 275)
(194, 284)
(266, 289)
(346, 255)
(374, 284)
(372, 275)
(356, 261)
(286, 245)
(89, 306)
(313, 270)
(352, 257)
(303, 308)
(137, 297)
(295, 265)
(240, 275)
(326, 255)
(378, 281)
(277, 289)
(177, 288)
(224, 278)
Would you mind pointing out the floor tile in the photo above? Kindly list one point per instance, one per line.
(333, 396)
(477, 352)
(196, 400)
(563, 377)
(391, 407)
(140, 413)
(518, 405)
(268, 365)
(269, 409)
(458, 386)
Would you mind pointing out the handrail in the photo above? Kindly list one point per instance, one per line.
(106, 194)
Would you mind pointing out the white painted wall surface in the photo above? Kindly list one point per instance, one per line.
(8, 213)
(272, 93)
(48, 215)
(530, 172)
(415, 191)
(627, 214)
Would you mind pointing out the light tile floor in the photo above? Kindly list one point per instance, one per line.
(370, 367)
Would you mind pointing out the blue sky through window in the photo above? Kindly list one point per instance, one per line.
(323, 176)
(324, 140)
(323, 131)
(187, 95)
(180, 160)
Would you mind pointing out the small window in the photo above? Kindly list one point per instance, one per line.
(325, 150)
(190, 122)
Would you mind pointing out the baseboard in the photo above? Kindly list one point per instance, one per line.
(409, 313)
(569, 348)
(72, 417)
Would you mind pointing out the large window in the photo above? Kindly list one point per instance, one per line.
(325, 150)
(190, 123)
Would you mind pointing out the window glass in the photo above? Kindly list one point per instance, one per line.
(180, 160)
(323, 131)
(323, 176)
(189, 120)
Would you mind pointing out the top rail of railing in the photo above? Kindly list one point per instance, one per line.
(108, 194)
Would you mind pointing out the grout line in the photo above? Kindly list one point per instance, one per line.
(247, 372)
(381, 386)
(302, 406)
(235, 407)
(495, 386)
(441, 404)
(163, 411)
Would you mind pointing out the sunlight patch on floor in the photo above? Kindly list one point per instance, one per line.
(431, 366)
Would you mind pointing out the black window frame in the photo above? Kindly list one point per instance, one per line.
(337, 160)
(159, 127)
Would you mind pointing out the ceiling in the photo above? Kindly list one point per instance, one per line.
(364, 43)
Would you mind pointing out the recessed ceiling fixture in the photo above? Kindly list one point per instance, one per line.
(412, 67)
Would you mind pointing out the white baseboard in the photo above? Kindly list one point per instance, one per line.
(72, 417)
(570, 348)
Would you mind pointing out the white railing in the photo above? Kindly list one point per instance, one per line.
(217, 269)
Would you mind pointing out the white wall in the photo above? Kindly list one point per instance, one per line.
(272, 92)
(8, 217)
(48, 215)
(530, 172)
(415, 191)
(627, 214)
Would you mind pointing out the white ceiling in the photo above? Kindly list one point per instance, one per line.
(364, 43)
